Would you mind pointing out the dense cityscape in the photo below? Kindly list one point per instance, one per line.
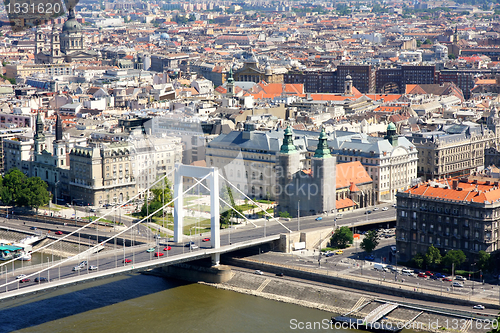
(357, 134)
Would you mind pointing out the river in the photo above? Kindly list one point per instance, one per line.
(144, 303)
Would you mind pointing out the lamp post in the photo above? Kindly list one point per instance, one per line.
(474, 264)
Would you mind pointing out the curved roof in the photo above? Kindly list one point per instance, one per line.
(72, 25)
(391, 127)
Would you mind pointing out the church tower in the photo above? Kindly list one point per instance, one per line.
(230, 83)
(324, 177)
(288, 165)
(71, 35)
(348, 86)
(39, 135)
(55, 48)
(39, 45)
(58, 145)
(392, 134)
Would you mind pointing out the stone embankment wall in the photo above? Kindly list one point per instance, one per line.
(337, 302)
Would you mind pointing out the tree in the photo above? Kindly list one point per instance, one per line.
(341, 237)
(432, 256)
(484, 261)
(33, 193)
(162, 191)
(418, 260)
(427, 42)
(153, 206)
(285, 215)
(370, 242)
(456, 257)
(13, 182)
(419, 43)
(452, 56)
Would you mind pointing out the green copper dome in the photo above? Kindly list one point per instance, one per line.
(322, 151)
(288, 147)
(391, 127)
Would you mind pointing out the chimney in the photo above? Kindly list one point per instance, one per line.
(454, 184)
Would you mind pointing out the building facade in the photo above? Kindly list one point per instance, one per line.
(450, 214)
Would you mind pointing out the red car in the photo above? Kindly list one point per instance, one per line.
(24, 280)
(127, 261)
(447, 279)
(168, 248)
(206, 239)
(158, 254)
(59, 232)
(428, 273)
(422, 275)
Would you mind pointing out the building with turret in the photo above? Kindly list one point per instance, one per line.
(66, 46)
(308, 191)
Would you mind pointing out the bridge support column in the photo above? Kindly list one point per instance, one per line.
(214, 209)
(216, 259)
(178, 207)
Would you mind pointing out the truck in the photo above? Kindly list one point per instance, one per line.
(380, 267)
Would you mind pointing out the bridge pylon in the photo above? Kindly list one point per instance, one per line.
(212, 176)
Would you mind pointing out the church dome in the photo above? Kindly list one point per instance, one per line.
(348, 77)
(71, 25)
(391, 127)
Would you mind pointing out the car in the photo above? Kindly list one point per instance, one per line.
(258, 272)
(193, 247)
(22, 276)
(107, 206)
(41, 279)
(24, 280)
(370, 258)
(440, 275)
(158, 254)
(428, 273)
(279, 274)
(385, 208)
(368, 212)
(375, 209)
(83, 263)
(206, 239)
(319, 218)
(447, 278)
(339, 215)
(434, 277)
(76, 268)
(33, 228)
(393, 249)
(189, 244)
(338, 252)
(151, 249)
(167, 248)
(407, 272)
(422, 275)
(126, 261)
(93, 268)
(478, 307)
(59, 232)
(394, 205)
(457, 284)
(331, 254)
(92, 210)
(460, 278)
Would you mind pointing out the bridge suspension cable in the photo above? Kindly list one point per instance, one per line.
(255, 203)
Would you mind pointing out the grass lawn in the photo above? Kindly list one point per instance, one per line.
(268, 202)
(246, 207)
(53, 208)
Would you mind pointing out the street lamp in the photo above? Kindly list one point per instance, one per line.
(474, 264)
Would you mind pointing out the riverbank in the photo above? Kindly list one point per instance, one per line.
(336, 302)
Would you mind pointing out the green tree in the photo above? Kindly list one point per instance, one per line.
(484, 261)
(419, 43)
(342, 237)
(370, 242)
(456, 257)
(452, 56)
(419, 260)
(153, 206)
(432, 256)
(162, 191)
(427, 42)
(33, 193)
(285, 215)
(14, 183)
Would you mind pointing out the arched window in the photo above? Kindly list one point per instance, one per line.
(238, 173)
(231, 173)
(261, 177)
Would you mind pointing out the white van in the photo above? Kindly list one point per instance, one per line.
(380, 267)
(407, 272)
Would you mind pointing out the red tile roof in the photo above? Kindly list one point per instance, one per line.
(352, 172)
(344, 203)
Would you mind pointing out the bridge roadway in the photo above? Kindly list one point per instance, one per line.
(112, 262)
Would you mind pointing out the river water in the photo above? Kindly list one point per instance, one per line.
(144, 303)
